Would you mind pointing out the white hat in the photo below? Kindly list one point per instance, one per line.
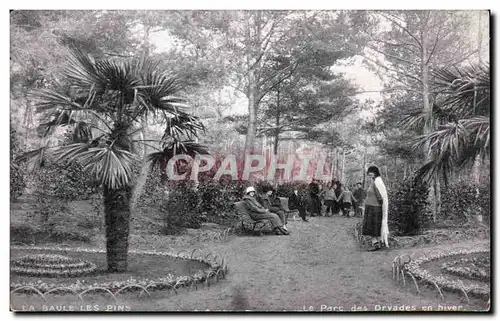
(249, 189)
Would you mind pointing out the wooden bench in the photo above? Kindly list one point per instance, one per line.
(288, 212)
(246, 220)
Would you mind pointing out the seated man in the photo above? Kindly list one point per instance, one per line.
(295, 202)
(258, 212)
(272, 202)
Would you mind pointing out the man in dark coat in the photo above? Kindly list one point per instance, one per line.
(295, 202)
(272, 202)
(314, 195)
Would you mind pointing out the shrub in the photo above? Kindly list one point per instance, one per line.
(66, 181)
(217, 199)
(153, 192)
(263, 186)
(91, 216)
(459, 199)
(17, 168)
(286, 189)
(407, 207)
(25, 233)
(29, 234)
(180, 210)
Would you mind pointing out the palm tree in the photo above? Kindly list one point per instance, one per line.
(103, 103)
(463, 116)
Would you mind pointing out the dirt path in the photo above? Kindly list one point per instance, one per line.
(318, 267)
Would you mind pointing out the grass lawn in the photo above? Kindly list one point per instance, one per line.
(319, 267)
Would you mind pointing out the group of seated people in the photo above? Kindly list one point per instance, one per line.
(336, 198)
(269, 206)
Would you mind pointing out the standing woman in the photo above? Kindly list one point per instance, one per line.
(376, 210)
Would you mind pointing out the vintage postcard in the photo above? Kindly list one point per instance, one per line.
(250, 160)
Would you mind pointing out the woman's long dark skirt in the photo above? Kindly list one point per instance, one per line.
(372, 221)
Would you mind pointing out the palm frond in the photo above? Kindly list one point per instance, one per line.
(119, 76)
(414, 120)
(175, 148)
(81, 71)
(47, 99)
(467, 89)
(158, 92)
(35, 158)
(479, 129)
(111, 166)
(71, 152)
(430, 171)
(56, 118)
(182, 125)
(82, 132)
(454, 145)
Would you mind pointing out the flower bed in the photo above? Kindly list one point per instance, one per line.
(51, 265)
(429, 237)
(214, 270)
(478, 269)
(415, 268)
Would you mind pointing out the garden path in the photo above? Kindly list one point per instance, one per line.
(319, 266)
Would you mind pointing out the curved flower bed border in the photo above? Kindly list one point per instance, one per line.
(215, 271)
(415, 269)
(476, 274)
(51, 265)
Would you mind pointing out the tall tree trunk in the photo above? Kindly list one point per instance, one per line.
(343, 165)
(117, 220)
(395, 170)
(424, 67)
(332, 166)
(277, 131)
(364, 168)
(476, 168)
(252, 114)
(145, 55)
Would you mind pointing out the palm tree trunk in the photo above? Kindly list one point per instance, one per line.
(117, 220)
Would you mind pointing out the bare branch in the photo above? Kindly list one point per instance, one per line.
(405, 45)
(390, 69)
(267, 39)
(451, 62)
(391, 56)
(392, 18)
(265, 91)
(435, 43)
(238, 89)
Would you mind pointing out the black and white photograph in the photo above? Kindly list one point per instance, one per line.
(258, 160)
